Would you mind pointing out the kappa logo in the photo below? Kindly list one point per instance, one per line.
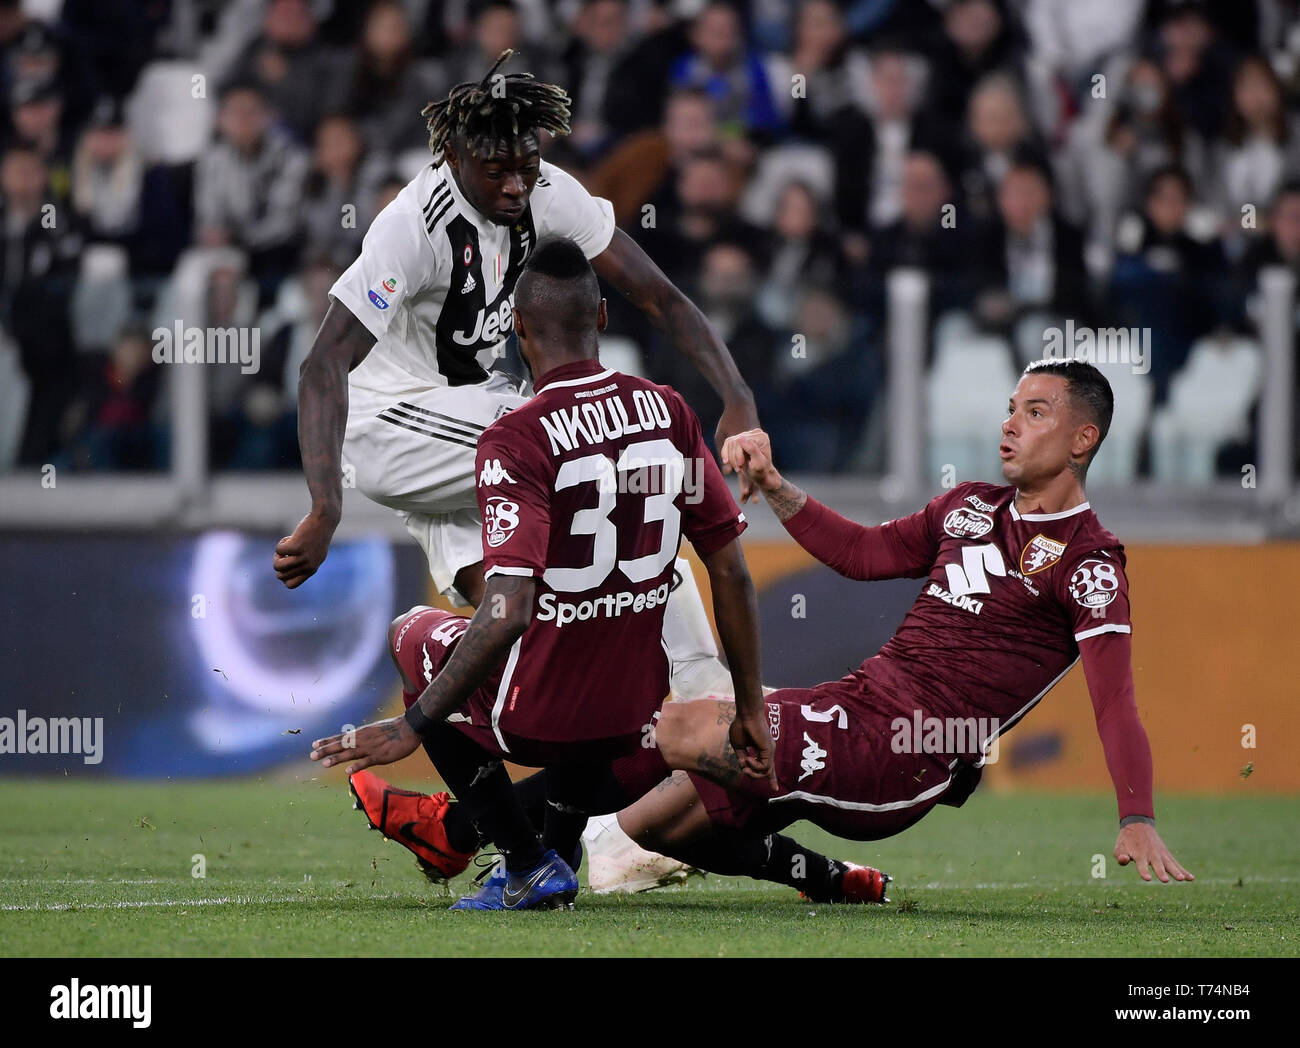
(1040, 554)
(427, 667)
(963, 523)
(814, 757)
(500, 518)
(493, 473)
(774, 720)
(980, 504)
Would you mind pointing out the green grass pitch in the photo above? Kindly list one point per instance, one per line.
(106, 869)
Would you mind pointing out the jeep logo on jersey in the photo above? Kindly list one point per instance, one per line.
(491, 325)
(500, 518)
(963, 523)
(493, 473)
(1040, 554)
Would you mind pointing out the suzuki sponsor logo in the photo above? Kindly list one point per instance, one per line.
(965, 603)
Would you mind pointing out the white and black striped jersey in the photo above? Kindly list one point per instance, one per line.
(435, 280)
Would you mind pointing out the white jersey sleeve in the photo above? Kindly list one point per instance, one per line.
(396, 262)
(563, 208)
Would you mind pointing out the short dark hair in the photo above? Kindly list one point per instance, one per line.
(558, 287)
(1174, 171)
(1088, 389)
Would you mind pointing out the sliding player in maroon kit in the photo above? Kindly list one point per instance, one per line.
(1021, 581)
(584, 498)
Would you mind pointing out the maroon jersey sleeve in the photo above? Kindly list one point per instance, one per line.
(514, 500)
(902, 548)
(710, 517)
(1108, 665)
(1094, 592)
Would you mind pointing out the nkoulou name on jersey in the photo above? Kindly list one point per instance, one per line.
(435, 280)
(589, 488)
(1006, 601)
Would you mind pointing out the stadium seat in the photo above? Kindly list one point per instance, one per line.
(966, 392)
(15, 392)
(1117, 461)
(777, 168)
(101, 302)
(1209, 403)
(169, 125)
(622, 354)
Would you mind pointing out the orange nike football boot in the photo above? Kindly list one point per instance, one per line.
(413, 820)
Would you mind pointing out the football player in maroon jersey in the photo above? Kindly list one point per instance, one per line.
(584, 500)
(1021, 581)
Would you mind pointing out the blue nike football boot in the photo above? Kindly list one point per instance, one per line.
(550, 885)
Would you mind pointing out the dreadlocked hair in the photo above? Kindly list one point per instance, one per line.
(503, 107)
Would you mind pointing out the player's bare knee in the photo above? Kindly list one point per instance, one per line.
(685, 729)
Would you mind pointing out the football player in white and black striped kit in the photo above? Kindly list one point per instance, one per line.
(395, 384)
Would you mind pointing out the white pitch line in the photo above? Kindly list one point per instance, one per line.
(222, 900)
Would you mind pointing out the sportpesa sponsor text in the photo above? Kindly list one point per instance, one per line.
(611, 605)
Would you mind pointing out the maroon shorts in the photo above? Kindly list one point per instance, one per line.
(837, 767)
(425, 640)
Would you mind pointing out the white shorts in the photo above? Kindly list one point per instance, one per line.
(414, 452)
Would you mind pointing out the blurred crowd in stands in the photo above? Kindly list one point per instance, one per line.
(1102, 162)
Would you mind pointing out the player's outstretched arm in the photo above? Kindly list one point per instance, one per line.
(902, 549)
(1108, 666)
(735, 609)
(500, 620)
(340, 345)
(629, 269)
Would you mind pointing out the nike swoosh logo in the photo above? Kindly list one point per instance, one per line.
(407, 830)
(511, 899)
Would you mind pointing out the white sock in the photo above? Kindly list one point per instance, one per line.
(696, 669)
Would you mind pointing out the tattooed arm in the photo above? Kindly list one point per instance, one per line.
(500, 620)
(341, 344)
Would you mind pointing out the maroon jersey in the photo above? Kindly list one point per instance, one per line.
(1008, 598)
(589, 488)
